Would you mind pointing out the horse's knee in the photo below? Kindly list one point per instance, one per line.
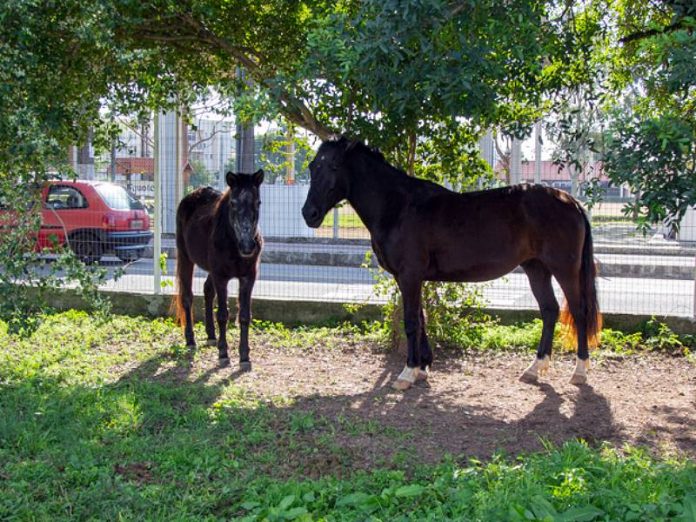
(187, 300)
(550, 312)
(223, 315)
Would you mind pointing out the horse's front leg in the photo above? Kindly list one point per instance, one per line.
(222, 318)
(209, 294)
(411, 294)
(246, 285)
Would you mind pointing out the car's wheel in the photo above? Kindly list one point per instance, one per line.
(87, 247)
(128, 256)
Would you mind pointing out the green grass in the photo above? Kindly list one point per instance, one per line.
(97, 423)
(347, 218)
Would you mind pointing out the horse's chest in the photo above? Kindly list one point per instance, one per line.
(381, 257)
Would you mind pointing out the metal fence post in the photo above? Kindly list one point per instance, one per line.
(693, 305)
(157, 247)
(335, 223)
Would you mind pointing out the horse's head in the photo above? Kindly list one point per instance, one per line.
(328, 181)
(244, 202)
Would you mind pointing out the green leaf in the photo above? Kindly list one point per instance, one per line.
(689, 514)
(580, 514)
(542, 508)
(354, 499)
(286, 502)
(293, 513)
(412, 490)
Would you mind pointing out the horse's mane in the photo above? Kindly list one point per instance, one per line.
(221, 227)
(352, 146)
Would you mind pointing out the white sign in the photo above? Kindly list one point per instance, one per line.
(142, 189)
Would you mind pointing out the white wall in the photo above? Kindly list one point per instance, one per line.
(281, 211)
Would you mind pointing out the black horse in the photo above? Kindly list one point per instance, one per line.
(423, 232)
(219, 232)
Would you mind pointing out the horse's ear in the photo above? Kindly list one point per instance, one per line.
(232, 178)
(258, 177)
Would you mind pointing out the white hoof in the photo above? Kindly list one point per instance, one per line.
(406, 378)
(580, 374)
(401, 385)
(535, 370)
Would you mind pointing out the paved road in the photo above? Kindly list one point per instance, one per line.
(672, 297)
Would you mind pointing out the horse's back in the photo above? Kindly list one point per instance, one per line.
(199, 201)
(482, 235)
(194, 218)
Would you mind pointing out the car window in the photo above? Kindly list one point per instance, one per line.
(63, 197)
(117, 197)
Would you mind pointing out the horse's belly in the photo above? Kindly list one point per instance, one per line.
(472, 273)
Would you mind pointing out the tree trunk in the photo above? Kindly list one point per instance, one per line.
(411, 158)
(398, 339)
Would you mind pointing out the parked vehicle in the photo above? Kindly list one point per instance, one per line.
(93, 218)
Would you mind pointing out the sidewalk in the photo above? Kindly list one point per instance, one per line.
(659, 261)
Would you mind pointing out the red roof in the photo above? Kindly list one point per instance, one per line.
(135, 165)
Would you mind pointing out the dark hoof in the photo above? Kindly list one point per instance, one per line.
(224, 362)
(245, 366)
(211, 342)
(191, 346)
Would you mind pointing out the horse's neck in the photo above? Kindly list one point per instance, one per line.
(374, 192)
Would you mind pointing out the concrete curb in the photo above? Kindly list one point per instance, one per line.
(664, 263)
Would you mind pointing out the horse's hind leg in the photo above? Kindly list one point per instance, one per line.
(246, 285)
(570, 283)
(209, 293)
(540, 281)
(184, 274)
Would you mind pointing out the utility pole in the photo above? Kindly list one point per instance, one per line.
(537, 152)
(515, 161)
(244, 141)
(290, 165)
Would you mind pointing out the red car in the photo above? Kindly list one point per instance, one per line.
(94, 218)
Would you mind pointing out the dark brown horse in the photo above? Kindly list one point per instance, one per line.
(423, 232)
(219, 233)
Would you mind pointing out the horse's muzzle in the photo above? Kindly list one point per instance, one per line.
(312, 216)
(247, 248)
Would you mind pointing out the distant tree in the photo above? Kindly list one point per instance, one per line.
(200, 176)
(273, 157)
(651, 133)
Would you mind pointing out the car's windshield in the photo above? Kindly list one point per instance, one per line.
(117, 197)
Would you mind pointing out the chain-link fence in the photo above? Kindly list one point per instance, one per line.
(639, 274)
(132, 235)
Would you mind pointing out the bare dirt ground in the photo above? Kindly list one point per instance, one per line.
(473, 404)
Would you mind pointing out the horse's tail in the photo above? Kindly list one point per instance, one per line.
(588, 298)
(177, 305)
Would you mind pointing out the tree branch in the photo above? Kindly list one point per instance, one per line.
(292, 108)
(648, 33)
